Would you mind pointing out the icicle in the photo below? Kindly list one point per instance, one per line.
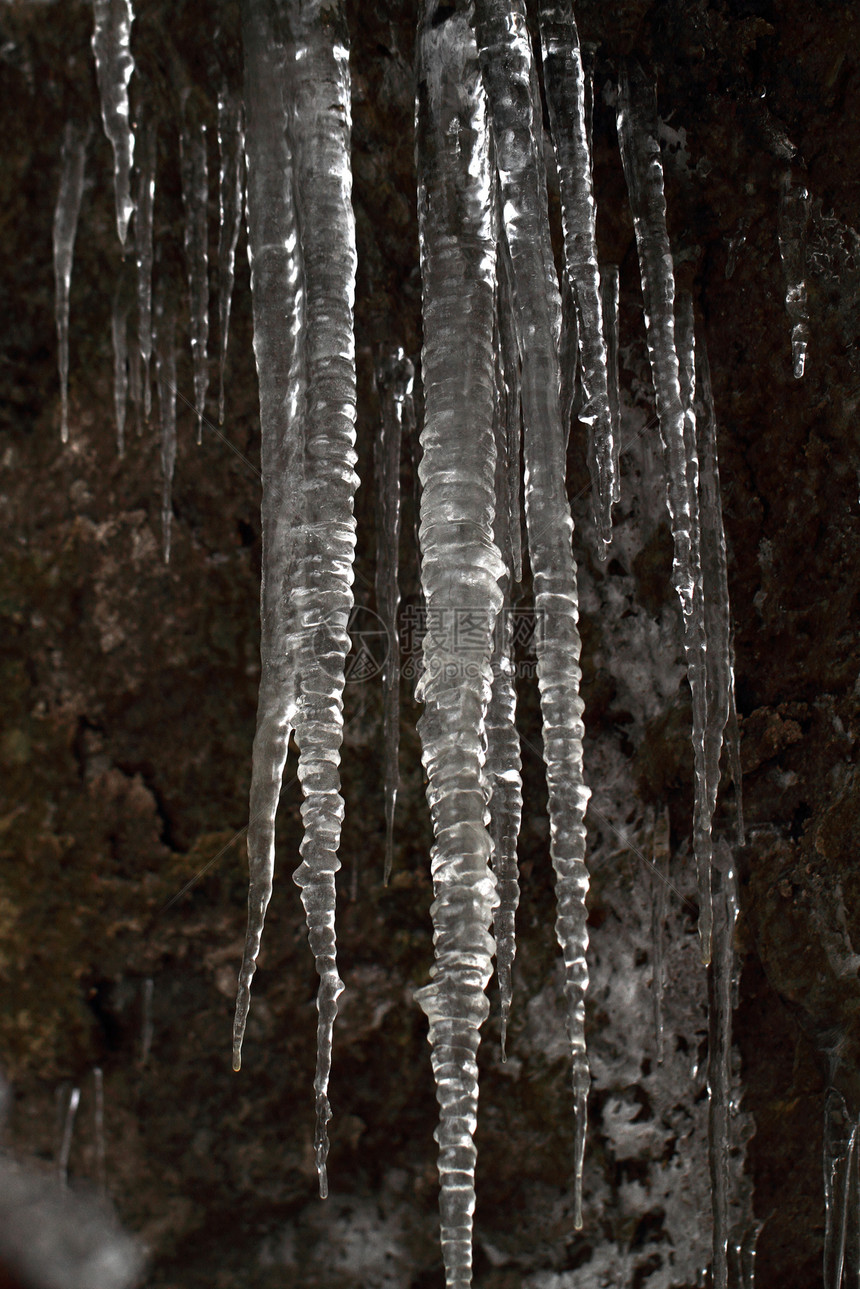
(720, 1054)
(99, 1127)
(564, 82)
(660, 878)
(568, 356)
(510, 360)
(460, 568)
(394, 379)
(278, 298)
(114, 66)
(609, 294)
(119, 335)
(195, 198)
(640, 153)
(68, 1132)
(841, 1193)
(307, 87)
(793, 219)
(718, 632)
(230, 201)
(66, 213)
(165, 376)
(143, 226)
(503, 763)
(146, 1021)
(508, 69)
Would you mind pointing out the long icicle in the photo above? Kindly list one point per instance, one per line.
(114, 68)
(394, 379)
(279, 306)
(460, 568)
(793, 219)
(143, 239)
(165, 378)
(195, 196)
(609, 300)
(643, 169)
(509, 74)
(503, 742)
(564, 82)
(720, 1055)
(66, 212)
(230, 202)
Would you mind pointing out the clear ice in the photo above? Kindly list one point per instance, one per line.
(643, 169)
(148, 153)
(195, 197)
(303, 261)
(793, 219)
(66, 212)
(564, 83)
(114, 67)
(394, 380)
(231, 146)
(510, 78)
(460, 572)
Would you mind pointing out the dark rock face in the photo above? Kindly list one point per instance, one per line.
(128, 696)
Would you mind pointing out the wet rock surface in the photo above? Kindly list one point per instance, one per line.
(128, 692)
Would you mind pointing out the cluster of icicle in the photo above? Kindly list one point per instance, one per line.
(504, 345)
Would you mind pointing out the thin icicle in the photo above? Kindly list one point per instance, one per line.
(300, 187)
(231, 142)
(165, 376)
(660, 852)
(509, 75)
(564, 83)
(609, 299)
(119, 335)
(841, 1193)
(720, 1055)
(460, 568)
(643, 169)
(99, 1127)
(509, 355)
(568, 355)
(143, 226)
(793, 219)
(66, 212)
(718, 627)
(114, 67)
(394, 379)
(195, 198)
(68, 1132)
(503, 763)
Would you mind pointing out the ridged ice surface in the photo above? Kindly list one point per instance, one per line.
(609, 293)
(841, 1193)
(114, 67)
(231, 170)
(460, 569)
(503, 764)
(394, 380)
(165, 379)
(643, 169)
(793, 220)
(564, 85)
(302, 249)
(143, 239)
(66, 213)
(195, 197)
(718, 625)
(720, 1056)
(509, 357)
(509, 75)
